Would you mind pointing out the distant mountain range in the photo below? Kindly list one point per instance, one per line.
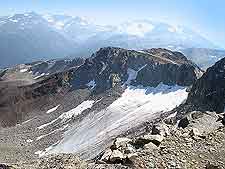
(30, 36)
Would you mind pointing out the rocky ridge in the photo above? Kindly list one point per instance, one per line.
(99, 81)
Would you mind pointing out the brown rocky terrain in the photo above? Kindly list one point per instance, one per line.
(199, 145)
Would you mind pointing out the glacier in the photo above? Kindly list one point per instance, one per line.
(90, 136)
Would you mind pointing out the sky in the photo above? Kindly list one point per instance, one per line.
(206, 17)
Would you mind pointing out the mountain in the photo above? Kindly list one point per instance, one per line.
(36, 37)
(208, 92)
(32, 38)
(143, 34)
(84, 106)
(206, 96)
(118, 109)
(203, 56)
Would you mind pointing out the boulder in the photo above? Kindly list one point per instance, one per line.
(106, 155)
(129, 149)
(142, 141)
(156, 139)
(205, 124)
(131, 156)
(116, 156)
(160, 129)
(184, 122)
(150, 146)
(121, 142)
(195, 132)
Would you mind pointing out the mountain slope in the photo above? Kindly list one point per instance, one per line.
(59, 111)
(32, 38)
(208, 92)
(206, 96)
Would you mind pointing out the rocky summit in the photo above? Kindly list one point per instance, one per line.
(119, 109)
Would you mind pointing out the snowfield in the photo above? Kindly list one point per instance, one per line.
(136, 105)
(69, 114)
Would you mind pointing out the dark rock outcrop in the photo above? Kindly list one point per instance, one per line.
(208, 93)
(152, 67)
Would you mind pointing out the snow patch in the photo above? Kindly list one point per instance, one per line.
(42, 153)
(213, 56)
(27, 121)
(52, 109)
(172, 115)
(59, 25)
(29, 141)
(91, 84)
(39, 76)
(47, 124)
(78, 110)
(69, 114)
(132, 74)
(103, 67)
(23, 70)
(45, 135)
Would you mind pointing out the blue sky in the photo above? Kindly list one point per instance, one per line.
(204, 16)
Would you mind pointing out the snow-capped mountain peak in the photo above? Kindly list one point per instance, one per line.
(63, 21)
(22, 21)
(88, 36)
(136, 28)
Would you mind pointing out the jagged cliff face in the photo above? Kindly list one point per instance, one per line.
(208, 92)
(150, 67)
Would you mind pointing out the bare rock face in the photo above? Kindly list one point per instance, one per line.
(120, 151)
(152, 67)
(208, 93)
(171, 74)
